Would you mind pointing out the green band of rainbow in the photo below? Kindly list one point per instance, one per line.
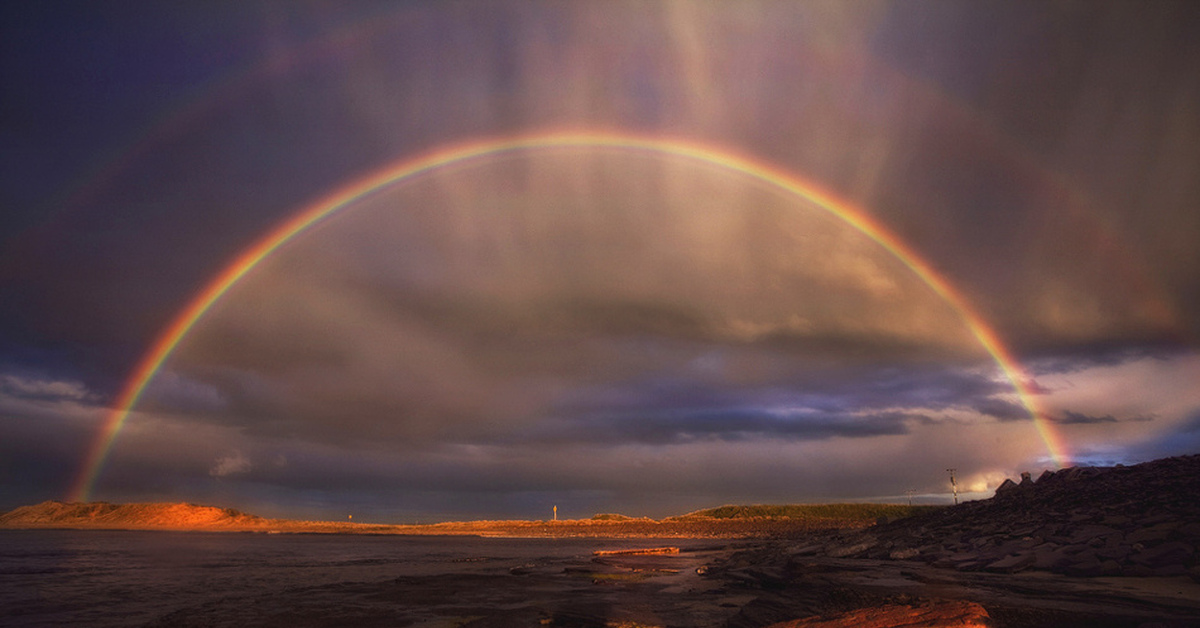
(457, 154)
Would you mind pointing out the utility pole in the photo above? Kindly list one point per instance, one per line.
(954, 485)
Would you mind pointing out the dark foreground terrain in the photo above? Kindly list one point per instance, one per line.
(1085, 546)
(758, 586)
(1107, 547)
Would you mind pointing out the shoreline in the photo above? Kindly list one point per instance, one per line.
(741, 522)
(745, 529)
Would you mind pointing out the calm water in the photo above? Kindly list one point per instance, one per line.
(112, 578)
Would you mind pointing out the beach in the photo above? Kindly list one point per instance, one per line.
(135, 578)
(211, 579)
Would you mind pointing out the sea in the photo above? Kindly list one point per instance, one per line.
(133, 578)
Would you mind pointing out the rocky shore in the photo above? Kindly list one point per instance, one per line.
(1113, 547)
(1141, 520)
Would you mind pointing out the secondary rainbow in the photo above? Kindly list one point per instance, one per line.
(407, 170)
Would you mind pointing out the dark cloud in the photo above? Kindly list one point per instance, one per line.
(1078, 418)
(1081, 358)
(1002, 409)
(709, 423)
(46, 425)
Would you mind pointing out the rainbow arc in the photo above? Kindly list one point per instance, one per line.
(461, 154)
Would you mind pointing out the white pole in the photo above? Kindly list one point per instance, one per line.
(954, 485)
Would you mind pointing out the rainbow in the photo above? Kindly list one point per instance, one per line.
(460, 154)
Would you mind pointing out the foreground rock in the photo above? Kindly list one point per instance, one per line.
(1083, 547)
(1141, 520)
(934, 614)
(787, 587)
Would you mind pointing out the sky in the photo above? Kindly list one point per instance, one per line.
(638, 322)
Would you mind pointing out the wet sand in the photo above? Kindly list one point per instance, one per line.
(737, 585)
(613, 589)
(220, 579)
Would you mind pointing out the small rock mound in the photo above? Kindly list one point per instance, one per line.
(934, 614)
(611, 516)
(1140, 520)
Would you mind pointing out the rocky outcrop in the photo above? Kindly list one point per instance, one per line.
(1141, 520)
(933, 614)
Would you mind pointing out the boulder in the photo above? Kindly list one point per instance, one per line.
(1013, 563)
(841, 551)
(1173, 553)
(1005, 487)
(1087, 533)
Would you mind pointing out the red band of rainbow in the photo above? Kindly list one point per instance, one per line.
(407, 169)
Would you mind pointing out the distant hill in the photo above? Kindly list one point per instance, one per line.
(724, 522)
(53, 514)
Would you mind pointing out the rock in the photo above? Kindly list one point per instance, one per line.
(1013, 563)
(1138, 571)
(807, 550)
(1173, 553)
(1118, 552)
(939, 614)
(1154, 533)
(1116, 520)
(841, 551)
(1050, 557)
(1086, 566)
(1139, 520)
(1081, 516)
(1005, 487)
(1170, 571)
(1087, 533)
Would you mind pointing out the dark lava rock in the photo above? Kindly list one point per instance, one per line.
(1140, 520)
(931, 614)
